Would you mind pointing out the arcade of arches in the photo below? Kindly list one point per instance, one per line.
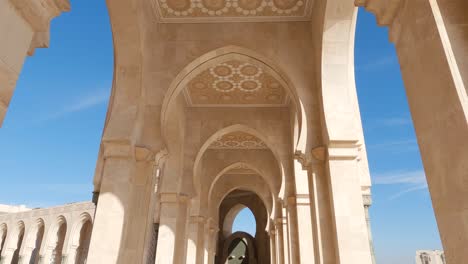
(225, 104)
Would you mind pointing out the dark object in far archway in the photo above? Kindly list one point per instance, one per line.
(239, 248)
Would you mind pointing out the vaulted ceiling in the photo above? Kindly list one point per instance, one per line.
(238, 140)
(229, 10)
(235, 83)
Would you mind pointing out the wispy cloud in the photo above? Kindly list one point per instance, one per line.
(410, 181)
(377, 64)
(83, 103)
(395, 121)
(396, 146)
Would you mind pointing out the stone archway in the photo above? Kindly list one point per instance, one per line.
(239, 248)
(261, 241)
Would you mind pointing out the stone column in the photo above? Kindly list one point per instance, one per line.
(351, 237)
(195, 241)
(367, 204)
(7, 255)
(172, 222)
(24, 26)
(320, 209)
(122, 212)
(279, 241)
(211, 241)
(302, 202)
(273, 245)
(292, 227)
(431, 39)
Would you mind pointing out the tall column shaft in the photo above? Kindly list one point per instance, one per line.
(321, 212)
(304, 218)
(286, 235)
(172, 222)
(195, 240)
(122, 211)
(436, 88)
(273, 246)
(351, 237)
(280, 248)
(431, 39)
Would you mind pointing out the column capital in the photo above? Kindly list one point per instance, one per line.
(38, 15)
(307, 160)
(161, 157)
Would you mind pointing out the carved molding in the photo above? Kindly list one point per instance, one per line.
(143, 154)
(343, 150)
(367, 200)
(117, 149)
(187, 11)
(238, 140)
(386, 12)
(303, 159)
(38, 14)
(161, 157)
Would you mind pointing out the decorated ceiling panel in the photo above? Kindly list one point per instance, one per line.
(235, 83)
(238, 140)
(219, 10)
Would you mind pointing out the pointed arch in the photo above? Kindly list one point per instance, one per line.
(218, 55)
(230, 129)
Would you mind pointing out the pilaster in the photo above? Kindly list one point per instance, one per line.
(172, 225)
(122, 212)
(301, 202)
(195, 240)
(351, 237)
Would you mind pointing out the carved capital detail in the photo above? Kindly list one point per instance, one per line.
(386, 12)
(38, 14)
(143, 153)
(304, 159)
(160, 158)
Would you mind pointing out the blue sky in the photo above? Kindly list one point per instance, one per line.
(50, 137)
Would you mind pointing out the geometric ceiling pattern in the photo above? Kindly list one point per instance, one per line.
(235, 83)
(238, 140)
(268, 10)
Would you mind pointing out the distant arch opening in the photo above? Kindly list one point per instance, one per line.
(37, 243)
(245, 222)
(15, 259)
(3, 234)
(243, 215)
(85, 237)
(58, 242)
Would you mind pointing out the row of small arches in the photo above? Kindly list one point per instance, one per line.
(60, 243)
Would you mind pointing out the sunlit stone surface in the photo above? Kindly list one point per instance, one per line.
(220, 105)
